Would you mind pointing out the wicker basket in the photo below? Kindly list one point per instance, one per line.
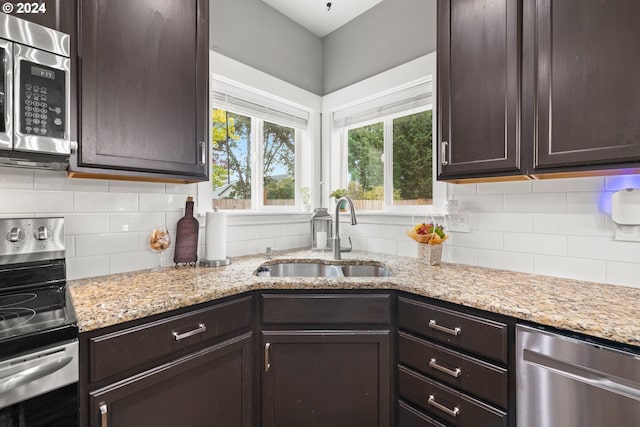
(429, 254)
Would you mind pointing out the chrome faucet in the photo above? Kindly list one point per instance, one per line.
(336, 235)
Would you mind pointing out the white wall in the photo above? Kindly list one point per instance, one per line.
(553, 227)
(107, 223)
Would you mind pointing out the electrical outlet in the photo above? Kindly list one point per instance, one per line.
(627, 233)
(460, 222)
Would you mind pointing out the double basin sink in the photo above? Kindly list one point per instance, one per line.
(304, 269)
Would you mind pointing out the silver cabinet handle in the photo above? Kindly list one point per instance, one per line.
(434, 325)
(453, 412)
(203, 153)
(103, 415)
(454, 373)
(444, 145)
(267, 365)
(200, 329)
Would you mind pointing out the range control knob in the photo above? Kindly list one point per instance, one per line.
(15, 235)
(42, 233)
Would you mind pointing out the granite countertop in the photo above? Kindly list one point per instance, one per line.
(600, 310)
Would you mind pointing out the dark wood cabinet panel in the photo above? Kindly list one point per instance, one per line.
(154, 341)
(326, 378)
(210, 387)
(582, 70)
(326, 309)
(143, 78)
(484, 337)
(446, 403)
(410, 417)
(478, 87)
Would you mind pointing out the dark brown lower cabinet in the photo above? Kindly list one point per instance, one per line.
(210, 387)
(325, 378)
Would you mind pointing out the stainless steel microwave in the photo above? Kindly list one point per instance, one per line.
(34, 95)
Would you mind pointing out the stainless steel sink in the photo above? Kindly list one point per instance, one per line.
(301, 269)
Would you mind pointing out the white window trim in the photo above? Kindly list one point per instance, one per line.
(250, 80)
(383, 84)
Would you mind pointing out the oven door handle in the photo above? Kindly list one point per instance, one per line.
(33, 373)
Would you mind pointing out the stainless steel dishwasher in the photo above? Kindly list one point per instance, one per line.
(567, 382)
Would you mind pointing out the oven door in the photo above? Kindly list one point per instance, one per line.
(6, 92)
(41, 101)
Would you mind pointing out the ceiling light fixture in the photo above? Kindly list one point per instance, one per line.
(328, 6)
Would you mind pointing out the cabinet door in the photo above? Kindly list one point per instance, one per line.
(326, 378)
(478, 87)
(211, 387)
(144, 87)
(582, 68)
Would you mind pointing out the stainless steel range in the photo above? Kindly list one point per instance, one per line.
(38, 330)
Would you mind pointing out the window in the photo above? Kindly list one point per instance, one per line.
(258, 143)
(389, 162)
(238, 140)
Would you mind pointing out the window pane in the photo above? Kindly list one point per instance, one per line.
(231, 160)
(412, 160)
(366, 168)
(279, 165)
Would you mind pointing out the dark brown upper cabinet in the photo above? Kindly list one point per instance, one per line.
(537, 88)
(478, 87)
(143, 85)
(581, 72)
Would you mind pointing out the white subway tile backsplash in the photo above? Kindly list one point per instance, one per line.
(513, 261)
(535, 203)
(497, 221)
(54, 202)
(571, 224)
(588, 202)
(461, 189)
(135, 221)
(247, 232)
(162, 202)
(477, 239)
(189, 189)
(80, 267)
(571, 268)
(58, 181)
(101, 244)
(604, 249)
(518, 187)
(535, 243)
(568, 185)
(135, 187)
(16, 178)
(132, 261)
(69, 246)
(623, 273)
(622, 182)
(382, 246)
(407, 248)
(482, 203)
(86, 223)
(105, 202)
(459, 255)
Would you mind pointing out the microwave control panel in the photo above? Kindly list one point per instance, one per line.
(42, 100)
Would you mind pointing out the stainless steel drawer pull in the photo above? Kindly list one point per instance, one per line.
(455, 373)
(103, 415)
(267, 365)
(455, 331)
(200, 329)
(453, 412)
(203, 153)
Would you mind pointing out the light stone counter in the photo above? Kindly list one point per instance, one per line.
(604, 311)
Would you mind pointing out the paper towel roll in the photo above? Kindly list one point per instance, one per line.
(216, 236)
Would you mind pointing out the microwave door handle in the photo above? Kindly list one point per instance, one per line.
(33, 373)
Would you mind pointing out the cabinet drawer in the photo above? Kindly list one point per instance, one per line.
(410, 417)
(476, 377)
(484, 337)
(326, 309)
(127, 349)
(445, 403)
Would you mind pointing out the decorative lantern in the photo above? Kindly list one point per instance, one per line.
(321, 230)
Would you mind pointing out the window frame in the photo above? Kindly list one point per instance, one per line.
(387, 120)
